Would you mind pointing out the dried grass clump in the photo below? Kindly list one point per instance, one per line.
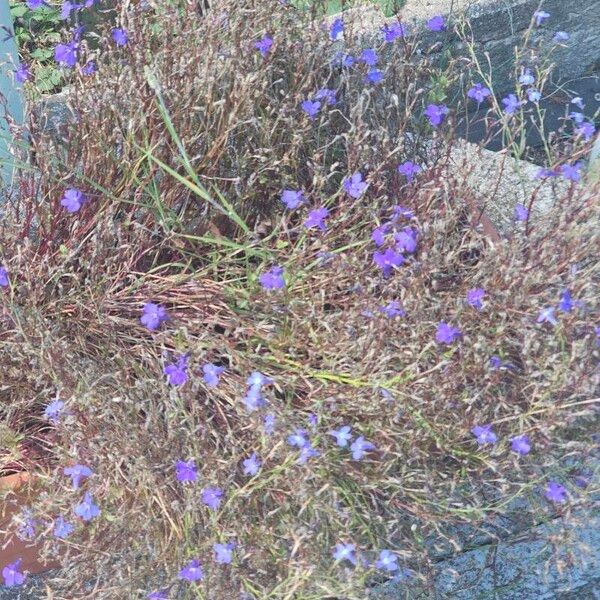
(184, 142)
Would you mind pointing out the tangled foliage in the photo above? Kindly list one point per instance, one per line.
(184, 140)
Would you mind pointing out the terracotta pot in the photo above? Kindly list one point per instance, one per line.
(14, 496)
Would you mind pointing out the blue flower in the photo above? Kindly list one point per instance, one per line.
(561, 36)
(586, 130)
(252, 465)
(406, 240)
(534, 95)
(484, 434)
(311, 108)
(336, 31)
(22, 73)
(409, 169)
(378, 235)
(62, 529)
(540, 16)
(521, 212)
(212, 374)
(369, 57)
(511, 103)
(475, 297)
(177, 372)
(387, 561)
(4, 282)
(77, 473)
(212, 497)
(192, 571)
(269, 424)
(479, 93)
(342, 435)
(186, 471)
(547, 316)
(299, 438)
(253, 399)
(12, 576)
(354, 185)
(436, 23)
(572, 172)
(520, 444)
(393, 31)
(153, 315)
(527, 78)
(54, 411)
(345, 552)
(316, 218)
(72, 200)
(329, 96)
(224, 553)
(388, 261)
(393, 309)
(66, 54)
(374, 76)
(446, 334)
(87, 510)
(119, 36)
(436, 113)
(264, 45)
(292, 198)
(360, 447)
(272, 279)
(307, 452)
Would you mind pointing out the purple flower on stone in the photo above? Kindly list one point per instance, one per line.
(388, 261)
(62, 529)
(12, 575)
(345, 552)
(511, 103)
(342, 435)
(54, 411)
(292, 198)
(520, 444)
(527, 78)
(387, 561)
(435, 113)
(534, 95)
(186, 471)
(393, 31)
(393, 309)
(545, 172)
(87, 510)
(177, 372)
(378, 235)
(446, 334)
(561, 36)
(409, 169)
(475, 297)
(272, 279)
(354, 185)
(66, 54)
(153, 315)
(77, 473)
(3, 277)
(586, 130)
(555, 492)
(406, 240)
(369, 57)
(269, 424)
(316, 218)
(307, 452)
(224, 553)
(540, 16)
(484, 434)
(252, 465)
(360, 447)
(22, 73)
(212, 496)
(298, 439)
(72, 200)
(327, 95)
(264, 45)
(479, 93)
(119, 36)
(336, 31)
(374, 76)
(547, 316)
(521, 212)
(311, 108)
(211, 374)
(578, 117)
(192, 571)
(436, 23)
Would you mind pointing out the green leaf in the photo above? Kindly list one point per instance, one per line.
(18, 11)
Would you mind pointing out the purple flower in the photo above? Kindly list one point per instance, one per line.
(406, 240)
(72, 200)
(348, 60)
(35, 4)
(269, 424)
(212, 374)
(62, 529)
(534, 95)
(345, 552)
(387, 561)
(566, 302)
(307, 452)
(547, 316)
(561, 36)
(511, 103)
(77, 473)
(360, 447)
(578, 101)
(158, 595)
(22, 73)
(342, 435)
(3, 277)
(393, 31)
(54, 411)
(409, 169)
(12, 575)
(436, 23)
(555, 492)
(446, 334)
(521, 212)
(89, 68)
(212, 496)
(258, 378)
(475, 297)
(378, 235)
(495, 362)
(369, 57)
(253, 399)
(354, 185)
(545, 172)
(272, 279)
(87, 510)
(586, 130)
(387, 261)
(292, 199)
(336, 31)
(252, 465)
(484, 434)
(67, 8)
(374, 76)
(119, 36)
(66, 54)
(578, 117)
(192, 571)
(224, 553)
(153, 315)
(393, 309)
(540, 16)
(177, 372)
(520, 445)
(316, 218)
(26, 530)
(527, 78)
(311, 108)
(264, 45)
(298, 439)
(479, 93)
(327, 95)
(186, 471)
(435, 113)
